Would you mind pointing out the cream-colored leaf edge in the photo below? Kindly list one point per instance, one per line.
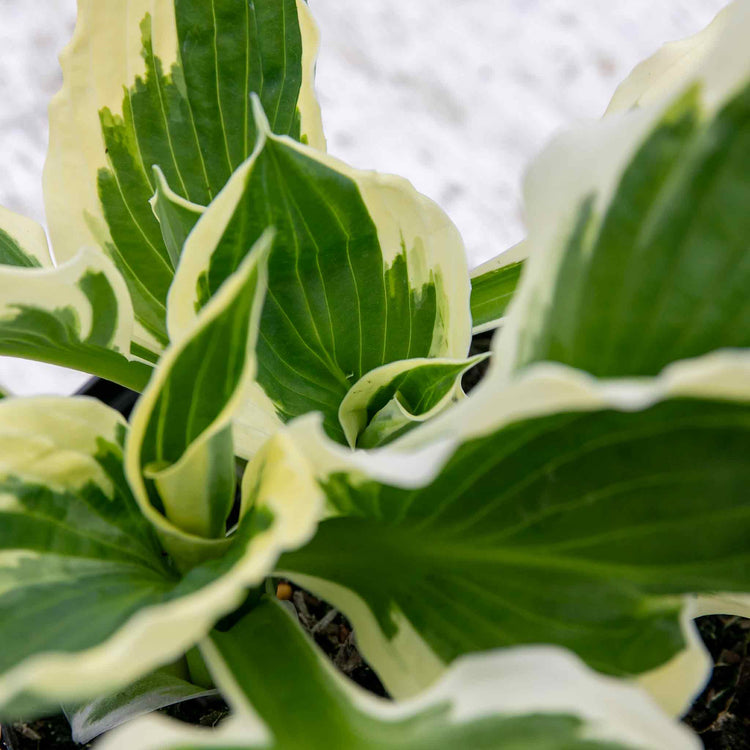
(53, 440)
(311, 121)
(179, 543)
(512, 682)
(160, 634)
(103, 56)
(353, 409)
(163, 189)
(508, 257)
(721, 48)
(255, 421)
(51, 289)
(399, 212)
(541, 389)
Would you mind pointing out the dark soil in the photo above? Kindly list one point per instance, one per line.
(52, 733)
(721, 715)
(333, 633)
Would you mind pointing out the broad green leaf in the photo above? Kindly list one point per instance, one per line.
(392, 399)
(89, 602)
(77, 315)
(572, 511)
(158, 690)
(176, 216)
(493, 285)
(180, 456)
(167, 83)
(365, 271)
(287, 695)
(638, 230)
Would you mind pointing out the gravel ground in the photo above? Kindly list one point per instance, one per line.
(456, 95)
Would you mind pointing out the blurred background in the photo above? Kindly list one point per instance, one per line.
(456, 95)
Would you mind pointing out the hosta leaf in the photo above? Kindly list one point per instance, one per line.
(574, 512)
(493, 285)
(287, 696)
(158, 690)
(639, 251)
(166, 83)
(89, 603)
(365, 271)
(392, 399)
(180, 456)
(77, 315)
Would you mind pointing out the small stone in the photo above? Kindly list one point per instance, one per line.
(284, 592)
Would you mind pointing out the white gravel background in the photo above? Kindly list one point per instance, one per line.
(456, 95)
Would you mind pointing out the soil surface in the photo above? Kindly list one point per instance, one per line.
(721, 714)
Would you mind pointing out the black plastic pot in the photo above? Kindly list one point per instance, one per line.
(118, 397)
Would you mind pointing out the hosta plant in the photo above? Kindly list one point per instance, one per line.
(521, 566)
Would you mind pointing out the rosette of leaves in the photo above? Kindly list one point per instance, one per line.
(117, 557)
(591, 494)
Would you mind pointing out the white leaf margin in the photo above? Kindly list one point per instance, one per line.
(516, 254)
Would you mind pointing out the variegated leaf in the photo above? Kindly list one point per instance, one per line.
(365, 271)
(394, 398)
(89, 601)
(286, 695)
(570, 511)
(77, 315)
(166, 83)
(638, 227)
